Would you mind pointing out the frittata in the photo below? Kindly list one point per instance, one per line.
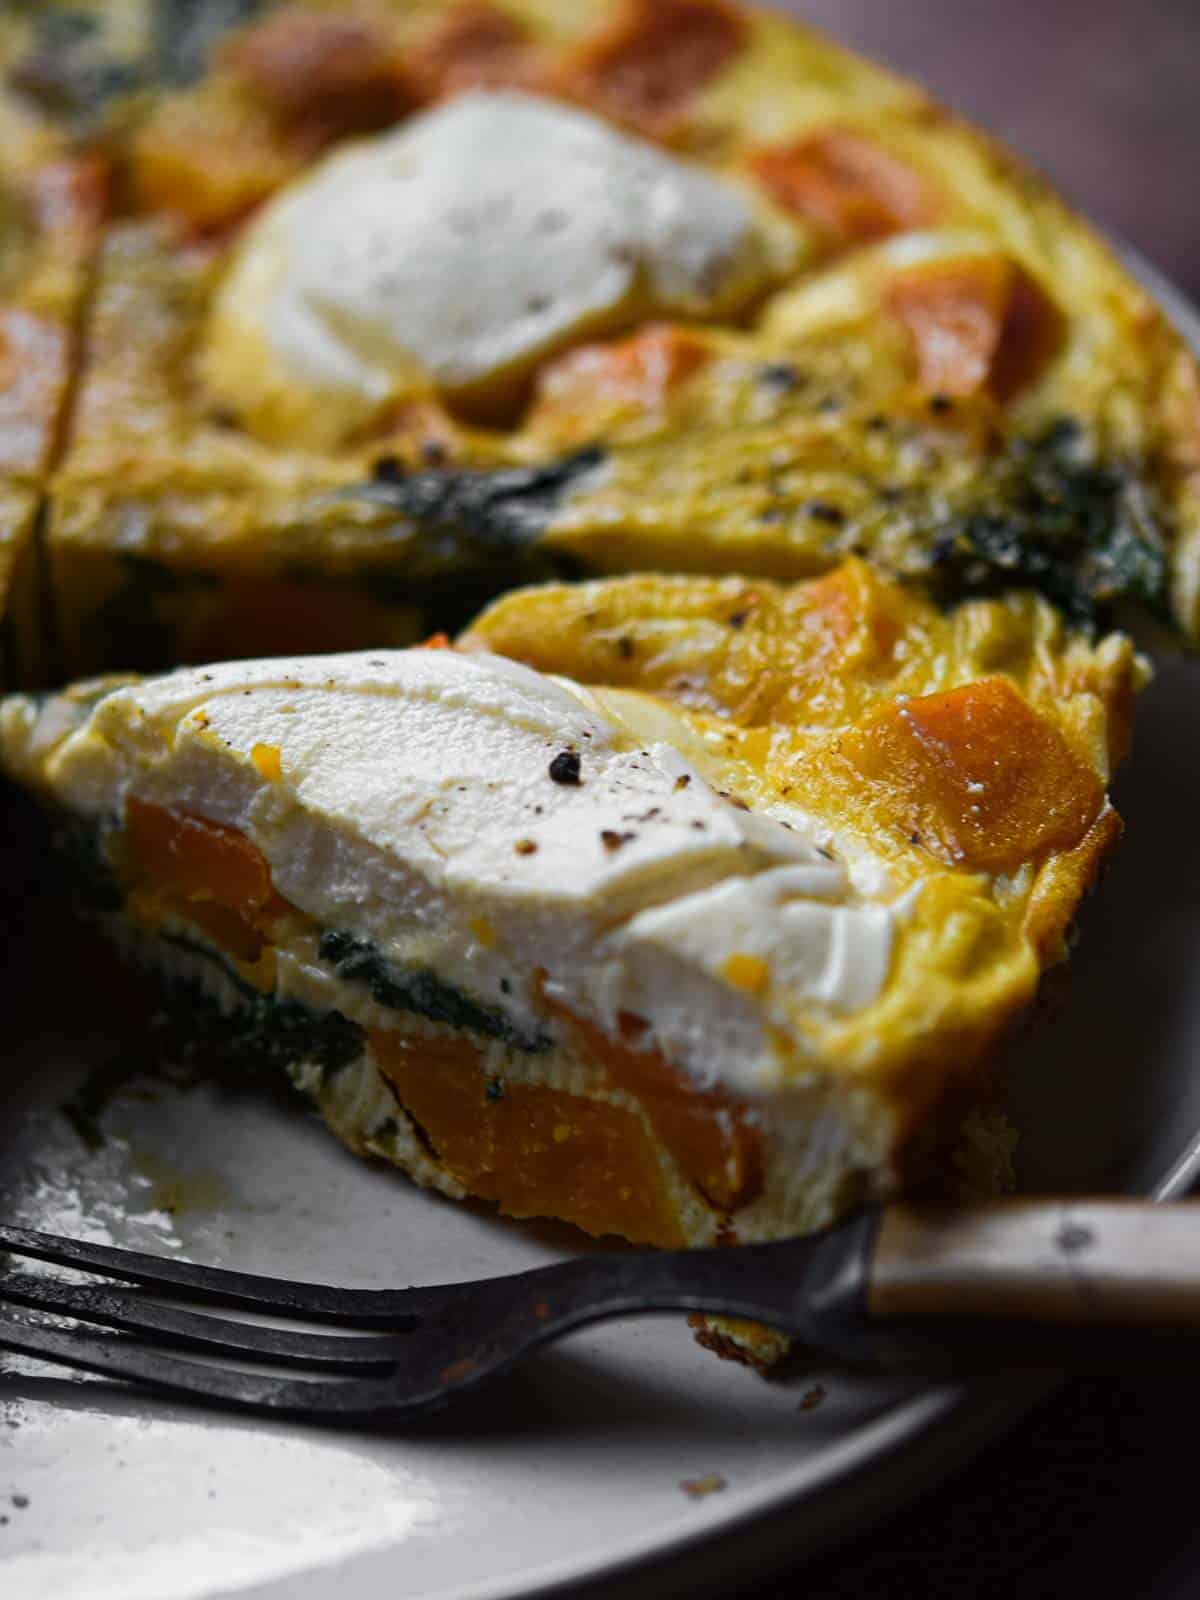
(682, 909)
(402, 303)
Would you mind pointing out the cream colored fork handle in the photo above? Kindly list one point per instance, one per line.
(1085, 1262)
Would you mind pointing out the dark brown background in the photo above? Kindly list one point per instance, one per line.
(1096, 1493)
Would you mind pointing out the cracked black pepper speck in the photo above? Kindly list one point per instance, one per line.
(565, 768)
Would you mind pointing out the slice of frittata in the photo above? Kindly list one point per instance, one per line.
(706, 941)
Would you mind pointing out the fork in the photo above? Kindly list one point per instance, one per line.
(1047, 1283)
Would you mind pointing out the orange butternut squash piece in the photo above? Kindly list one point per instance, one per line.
(592, 384)
(323, 74)
(532, 1150)
(475, 46)
(847, 187)
(645, 64)
(713, 1139)
(847, 607)
(976, 775)
(980, 324)
(219, 879)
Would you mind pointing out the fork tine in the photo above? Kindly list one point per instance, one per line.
(129, 1311)
(115, 1356)
(381, 1308)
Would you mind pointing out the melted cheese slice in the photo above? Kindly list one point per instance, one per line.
(457, 252)
(418, 797)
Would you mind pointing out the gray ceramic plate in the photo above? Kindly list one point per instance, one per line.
(580, 1467)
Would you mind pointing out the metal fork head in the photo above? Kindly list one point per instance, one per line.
(438, 1342)
(403, 1371)
(403, 1374)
